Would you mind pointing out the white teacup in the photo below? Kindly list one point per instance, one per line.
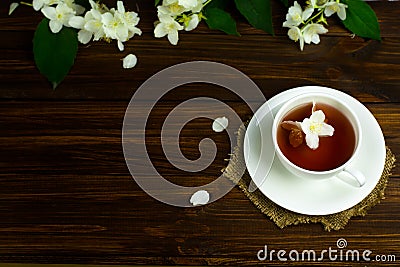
(345, 171)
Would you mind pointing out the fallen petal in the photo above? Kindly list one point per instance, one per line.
(220, 124)
(13, 6)
(201, 197)
(129, 61)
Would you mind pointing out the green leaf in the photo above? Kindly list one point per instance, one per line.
(54, 53)
(361, 19)
(219, 19)
(156, 2)
(257, 12)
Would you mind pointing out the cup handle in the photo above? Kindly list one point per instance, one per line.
(356, 176)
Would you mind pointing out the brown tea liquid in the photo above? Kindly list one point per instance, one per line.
(332, 152)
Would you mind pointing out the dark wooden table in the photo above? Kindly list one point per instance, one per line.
(66, 195)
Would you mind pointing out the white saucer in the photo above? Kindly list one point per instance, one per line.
(308, 196)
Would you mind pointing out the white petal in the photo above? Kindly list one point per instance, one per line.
(120, 7)
(122, 32)
(77, 22)
(329, 9)
(320, 29)
(194, 21)
(305, 126)
(312, 140)
(159, 31)
(342, 13)
(13, 6)
(84, 36)
(129, 61)
(220, 124)
(301, 43)
(173, 37)
(107, 18)
(287, 24)
(98, 34)
(306, 35)
(49, 12)
(79, 10)
(315, 39)
(326, 130)
(37, 4)
(188, 3)
(295, 9)
(55, 26)
(93, 26)
(307, 13)
(201, 197)
(294, 33)
(93, 4)
(121, 46)
(317, 116)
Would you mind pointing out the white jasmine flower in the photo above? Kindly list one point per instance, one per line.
(100, 22)
(311, 33)
(130, 19)
(120, 25)
(201, 197)
(168, 26)
(129, 61)
(192, 22)
(115, 28)
(296, 15)
(314, 127)
(90, 26)
(59, 16)
(335, 7)
(295, 34)
(13, 6)
(93, 24)
(220, 124)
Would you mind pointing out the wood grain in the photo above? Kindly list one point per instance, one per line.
(66, 194)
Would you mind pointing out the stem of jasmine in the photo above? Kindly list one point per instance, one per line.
(25, 3)
(206, 3)
(312, 18)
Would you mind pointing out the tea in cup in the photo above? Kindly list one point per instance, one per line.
(316, 135)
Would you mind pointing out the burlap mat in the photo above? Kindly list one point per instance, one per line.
(283, 217)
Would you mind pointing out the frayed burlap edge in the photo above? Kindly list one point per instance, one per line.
(283, 217)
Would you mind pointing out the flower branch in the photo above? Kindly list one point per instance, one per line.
(69, 22)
